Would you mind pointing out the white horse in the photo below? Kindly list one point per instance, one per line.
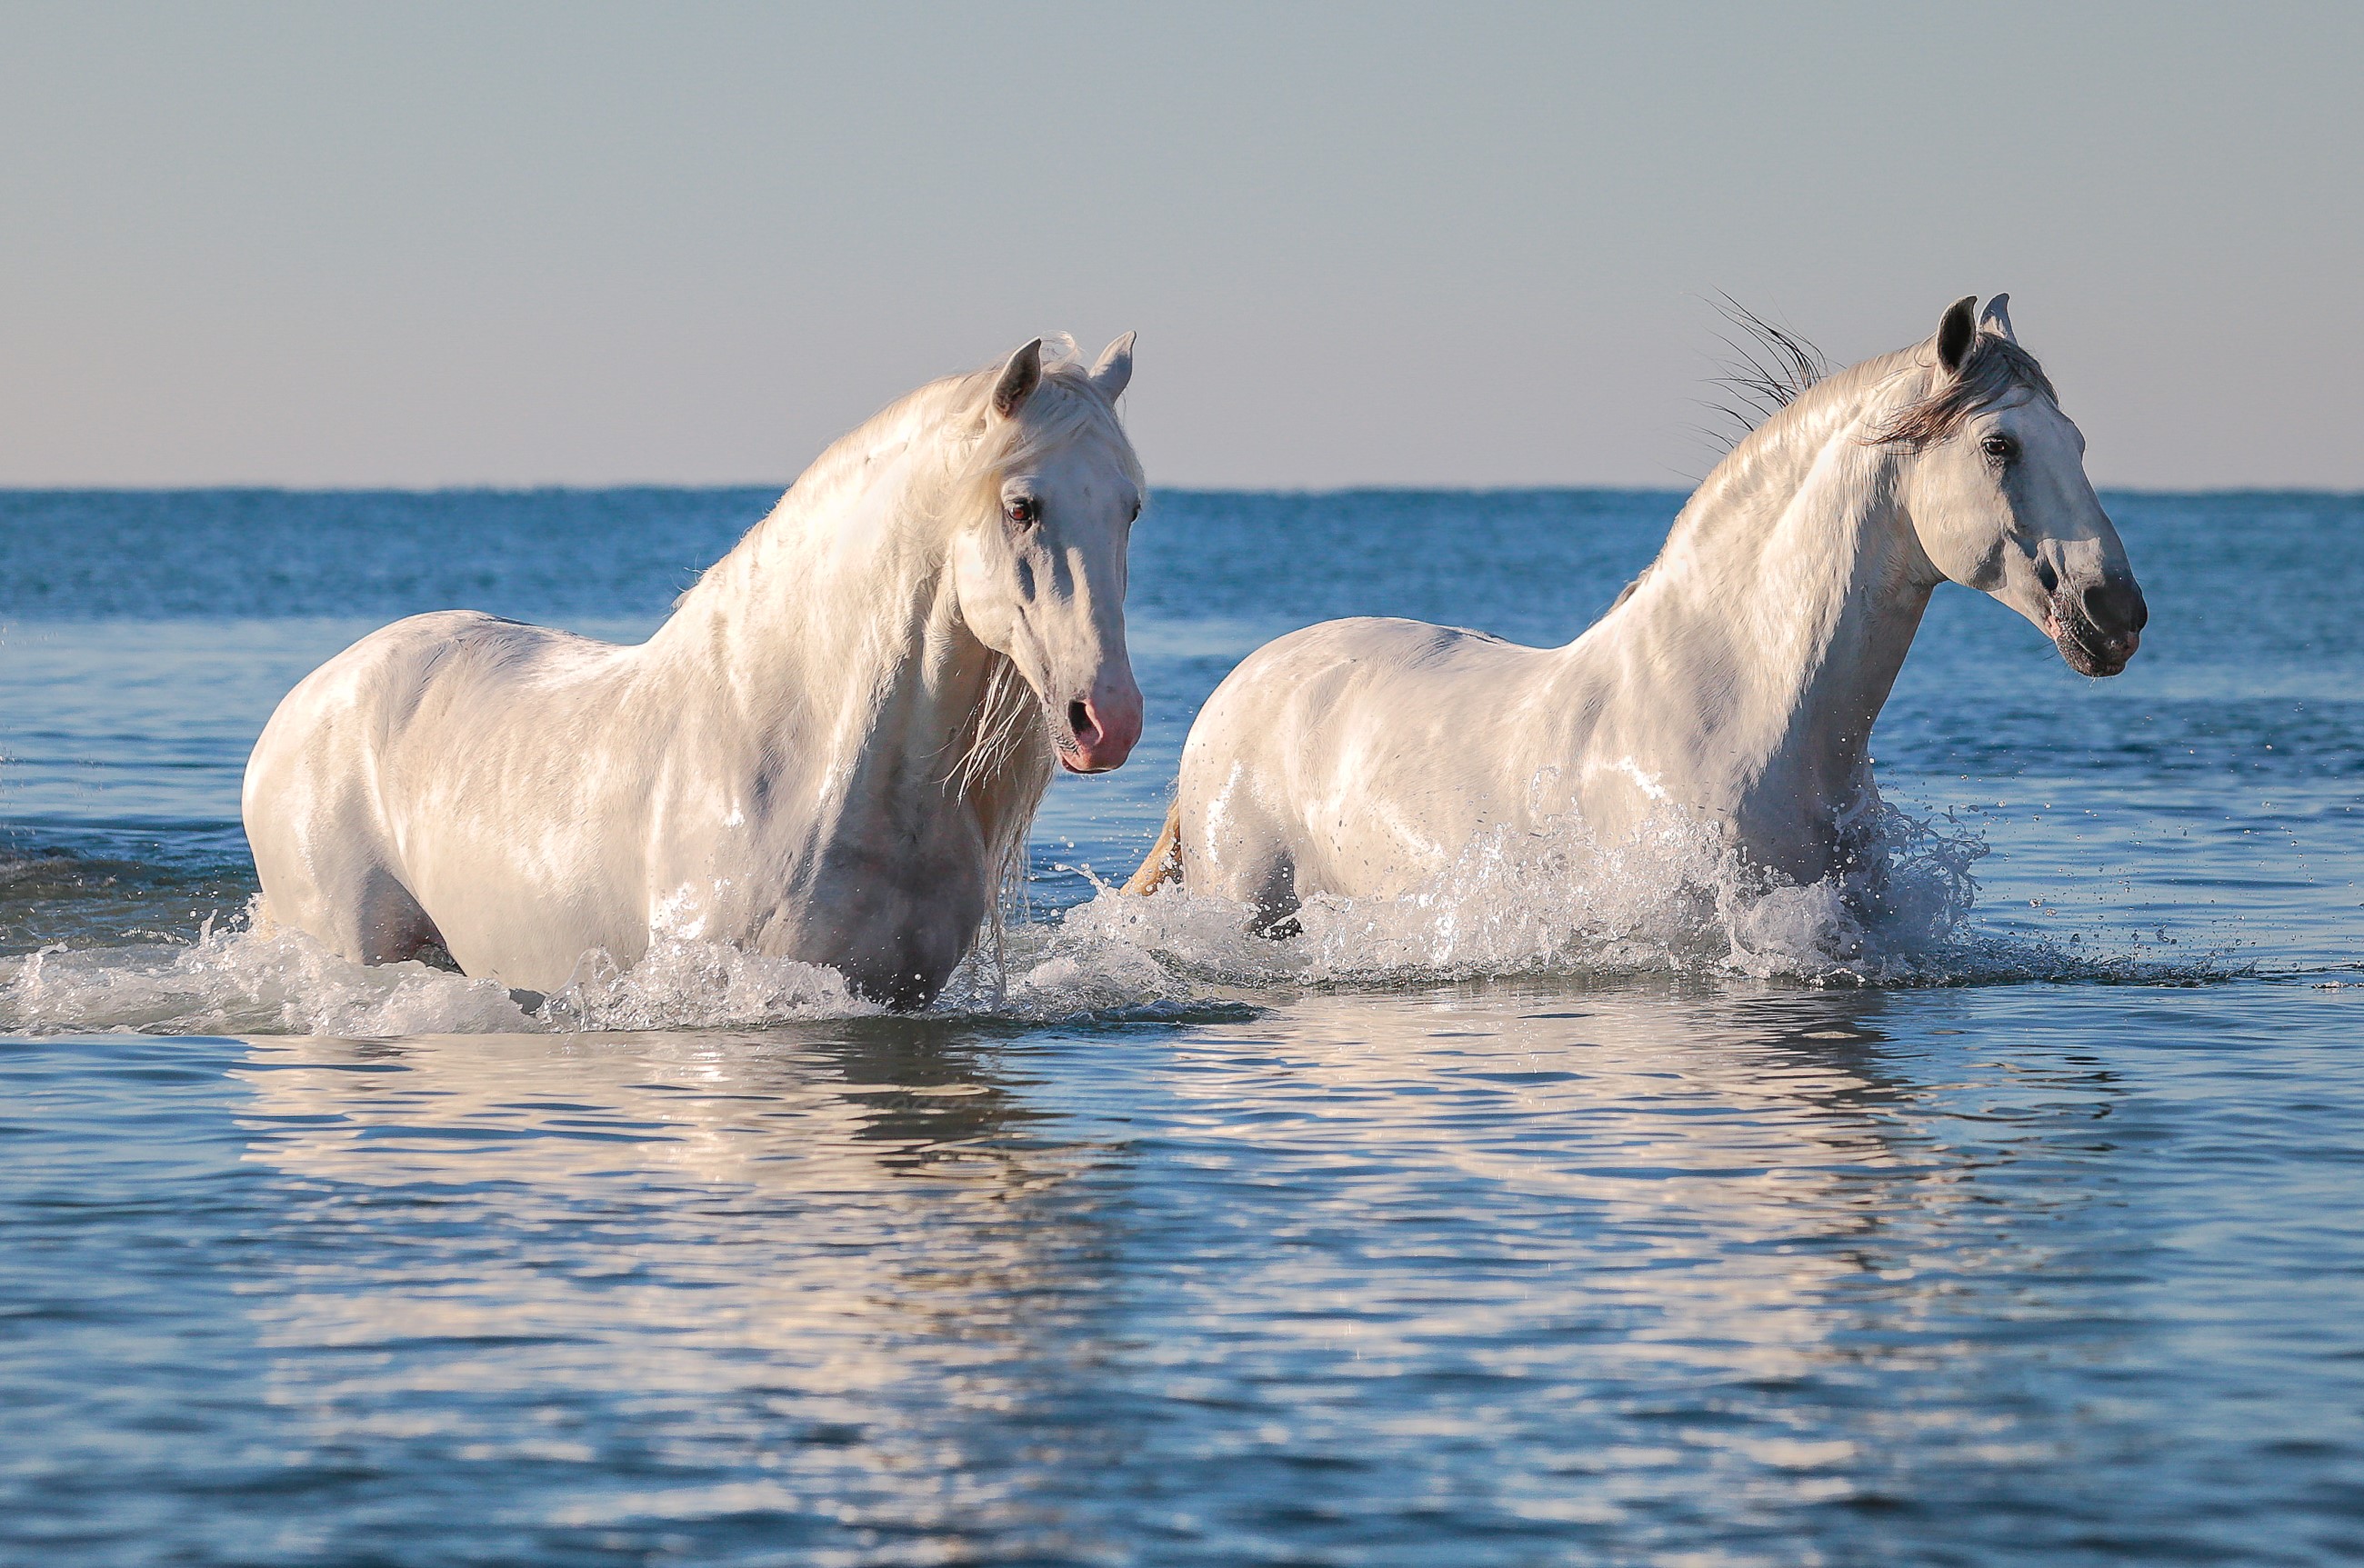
(832, 751)
(1735, 683)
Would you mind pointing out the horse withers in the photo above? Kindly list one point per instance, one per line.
(1735, 683)
(831, 751)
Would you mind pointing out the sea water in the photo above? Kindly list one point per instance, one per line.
(1585, 1207)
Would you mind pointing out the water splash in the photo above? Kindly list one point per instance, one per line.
(1672, 900)
(681, 983)
(239, 978)
(234, 979)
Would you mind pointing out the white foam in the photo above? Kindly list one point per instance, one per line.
(236, 980)
(684, 983)
(245, 980)
(1673, 899)
(1670, 901)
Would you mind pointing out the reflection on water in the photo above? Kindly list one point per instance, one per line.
(660, 1257)
(1473, 1276)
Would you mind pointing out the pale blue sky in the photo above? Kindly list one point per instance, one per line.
(425, 244)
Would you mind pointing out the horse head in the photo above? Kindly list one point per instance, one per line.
(1995, 488)
(1039, 547)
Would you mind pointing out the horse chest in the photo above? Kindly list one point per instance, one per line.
(813, 856)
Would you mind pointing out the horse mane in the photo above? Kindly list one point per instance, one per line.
(1777, 377)
(1066, 407)
(1772, 367)
(1771, 371)
(1004, 767)
(1002, 758)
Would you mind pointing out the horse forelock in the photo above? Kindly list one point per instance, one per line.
(1997, 369)
(1067, 410)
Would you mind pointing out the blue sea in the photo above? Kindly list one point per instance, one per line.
(1157, 1244)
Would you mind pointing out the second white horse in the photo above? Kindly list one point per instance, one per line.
(1735, 683)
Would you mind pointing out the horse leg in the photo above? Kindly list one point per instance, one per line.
(327, 875)
(388, 926)
(1276, 903)
(1254, 864)
(314, 812)
(1165, 861)
(362, 913)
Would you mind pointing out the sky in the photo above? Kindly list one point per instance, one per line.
(1463, 245)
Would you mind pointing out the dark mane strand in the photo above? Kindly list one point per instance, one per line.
(1771, 367)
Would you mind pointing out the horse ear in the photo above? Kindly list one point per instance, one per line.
(1957, 334)
(1115, 368)
(1017, 381)
(1996, 319)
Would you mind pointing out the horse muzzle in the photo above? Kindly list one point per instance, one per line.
(2098, 627)
(1098, 730)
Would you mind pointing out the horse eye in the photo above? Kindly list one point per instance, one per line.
(1024, 511)
(2001, 447)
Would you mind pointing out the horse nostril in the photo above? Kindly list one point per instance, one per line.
(2114, 604)
(1079, 720)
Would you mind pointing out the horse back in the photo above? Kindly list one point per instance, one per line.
(1313, 758)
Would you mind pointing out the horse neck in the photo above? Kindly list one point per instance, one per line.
(1789, 592)
(834, 619)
